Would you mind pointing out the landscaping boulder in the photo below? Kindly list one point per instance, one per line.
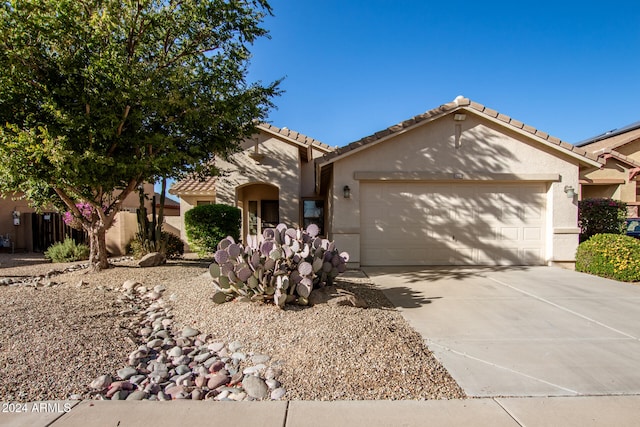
(152, 259)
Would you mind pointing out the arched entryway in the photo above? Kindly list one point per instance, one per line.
(260, 207)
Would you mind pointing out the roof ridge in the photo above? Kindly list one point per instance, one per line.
(460, 102)
(297, 136)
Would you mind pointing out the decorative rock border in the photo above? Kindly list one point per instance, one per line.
(175, 362)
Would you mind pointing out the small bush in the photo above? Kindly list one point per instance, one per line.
(67, 251)
(596, 216)
(613, 256)
(172, 246)
(208, 224)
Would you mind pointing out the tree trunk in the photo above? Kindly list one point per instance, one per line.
(97, 248)
(160, 221)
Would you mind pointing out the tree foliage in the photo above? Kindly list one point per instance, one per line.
(98, 96)
(596, 216)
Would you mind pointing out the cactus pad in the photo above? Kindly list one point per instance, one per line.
(282, 266)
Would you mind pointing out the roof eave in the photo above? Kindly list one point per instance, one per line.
(317, 146)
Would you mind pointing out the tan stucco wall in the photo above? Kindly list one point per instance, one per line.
(612, 170)
(484, 147)
(20, 235)
(280, 167)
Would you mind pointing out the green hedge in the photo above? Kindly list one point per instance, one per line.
(597, 216)
(614, 256)
(207, 225)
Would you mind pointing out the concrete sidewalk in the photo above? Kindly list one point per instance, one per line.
(530, 412)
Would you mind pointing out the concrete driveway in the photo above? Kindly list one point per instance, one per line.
(523, 331)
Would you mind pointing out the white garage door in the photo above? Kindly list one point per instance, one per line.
(452, 224)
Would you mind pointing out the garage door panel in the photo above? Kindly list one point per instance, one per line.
(445, 224)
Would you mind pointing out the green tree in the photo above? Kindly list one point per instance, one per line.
(98, 96)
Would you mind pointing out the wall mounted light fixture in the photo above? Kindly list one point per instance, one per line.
(16, 217)
(346, 192)
(569, 191)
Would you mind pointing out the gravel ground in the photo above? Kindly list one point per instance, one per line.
(56, 340)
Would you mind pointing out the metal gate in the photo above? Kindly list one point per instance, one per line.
(49, 228)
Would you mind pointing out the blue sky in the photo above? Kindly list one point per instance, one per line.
(354, 67)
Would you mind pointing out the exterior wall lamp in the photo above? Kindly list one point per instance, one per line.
(16, 217)
(569, 191)
(346, 192)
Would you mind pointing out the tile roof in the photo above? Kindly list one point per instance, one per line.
(612, 139)
(460, 103)
(296, 136)
(605, 153)
(194, 186)
(609, 134)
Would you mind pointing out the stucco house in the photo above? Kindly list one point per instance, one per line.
(271, 180)
(618, 179)
(458, 185)
(23, 229)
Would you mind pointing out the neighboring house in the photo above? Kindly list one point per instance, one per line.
(35, 232)
(457, 185)
(618, 179)
(271, 180)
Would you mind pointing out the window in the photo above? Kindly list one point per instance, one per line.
(203, 202)
(313, 213)
(270, 214)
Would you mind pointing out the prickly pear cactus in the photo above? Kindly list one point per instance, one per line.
(282, 266)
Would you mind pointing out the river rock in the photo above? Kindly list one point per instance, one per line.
(216, 346)
(217, 380)
(278, 393)
(255, 387)
(101, 383)
(175, 352)
(235, 346)
(136, 395)
(130, 285)
(126, 373)
(189, 332)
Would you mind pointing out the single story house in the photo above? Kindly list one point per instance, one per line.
(618, 179)
(458, 185)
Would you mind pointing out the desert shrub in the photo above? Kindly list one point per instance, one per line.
(597, 216)
(171, 245)
(614, 256)
(207, 225)
(284, 266)
(67, 251)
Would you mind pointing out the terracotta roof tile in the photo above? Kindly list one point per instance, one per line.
(504, 118)
(516, 123)
(296, 136)
(620, 156)
(194, 186)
